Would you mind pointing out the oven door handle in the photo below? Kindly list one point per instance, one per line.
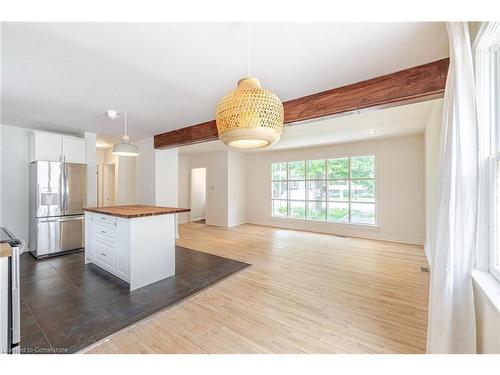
(16, 298)
(15, 268)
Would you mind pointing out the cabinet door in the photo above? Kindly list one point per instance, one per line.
(123, 250)
(45, 147)
(90, 229)
(73, 150)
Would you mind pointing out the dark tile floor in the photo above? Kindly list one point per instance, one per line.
(67, 305)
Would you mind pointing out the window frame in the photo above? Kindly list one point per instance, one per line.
(487, 75)
(326, 180)
(493, 60)
(494, 251)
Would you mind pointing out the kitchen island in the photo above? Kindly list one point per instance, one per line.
(134, 242)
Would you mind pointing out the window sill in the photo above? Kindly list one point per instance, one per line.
(375, 226)
(489, 286)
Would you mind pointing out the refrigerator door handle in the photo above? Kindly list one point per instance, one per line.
(71, 218)
(63, 188)
(60, 218)
(61, 191)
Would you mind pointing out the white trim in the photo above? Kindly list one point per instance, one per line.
(489, 286)
(492, 253)
(427, 251)
(487, 86)
(339, 223)
(488, 36)
(364, 235)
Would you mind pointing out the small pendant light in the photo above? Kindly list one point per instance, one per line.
(124, 148)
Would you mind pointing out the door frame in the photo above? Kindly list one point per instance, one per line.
(105, 182)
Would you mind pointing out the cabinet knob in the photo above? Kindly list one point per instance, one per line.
(103, 254)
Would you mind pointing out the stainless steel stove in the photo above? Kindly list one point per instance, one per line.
(13, 330)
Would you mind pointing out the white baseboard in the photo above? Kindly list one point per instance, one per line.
(376, 235)
(427, 254)
(367, 235)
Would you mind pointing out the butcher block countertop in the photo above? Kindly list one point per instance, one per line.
(5, 250)
(135, 210)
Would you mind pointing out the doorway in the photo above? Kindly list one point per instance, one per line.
(108, 188)
(199, 194)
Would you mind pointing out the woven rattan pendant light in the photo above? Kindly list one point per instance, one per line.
(250, 116)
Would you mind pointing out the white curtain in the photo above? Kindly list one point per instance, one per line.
(451, 325)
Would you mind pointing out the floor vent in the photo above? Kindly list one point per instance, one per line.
(424, 269)
(340, 235)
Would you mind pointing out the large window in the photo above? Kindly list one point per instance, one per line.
(340, 190)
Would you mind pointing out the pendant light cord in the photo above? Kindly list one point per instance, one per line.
(125, 117)
(249, 50)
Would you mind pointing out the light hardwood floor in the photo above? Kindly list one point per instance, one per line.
(303, 293)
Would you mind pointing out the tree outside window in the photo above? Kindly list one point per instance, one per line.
(340, 190)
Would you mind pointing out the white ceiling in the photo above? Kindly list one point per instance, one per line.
(64, 76)
(384, 123)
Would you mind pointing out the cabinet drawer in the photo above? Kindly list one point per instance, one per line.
(105, 254)
(108, 241)
(106, 231)
(105, 220)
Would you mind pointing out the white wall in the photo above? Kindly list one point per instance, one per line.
(100, 163)
(198, 194)
(1, 127)
(216, 164)
(167, 177)
(400, 188)
(145, 172)
(125, 180)
(184, 188)
(15, 181)
(91, 159)
(237, 189)
(432, 144)
(217, 193)
(125, 176)
(167, 180)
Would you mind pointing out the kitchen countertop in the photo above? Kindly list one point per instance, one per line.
(5, 250)
(135, 210)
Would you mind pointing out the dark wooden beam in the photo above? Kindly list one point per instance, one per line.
(206, 131)
(420, 83)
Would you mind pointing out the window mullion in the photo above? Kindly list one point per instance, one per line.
(349, 186)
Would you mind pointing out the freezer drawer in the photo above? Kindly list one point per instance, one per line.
(58, 234)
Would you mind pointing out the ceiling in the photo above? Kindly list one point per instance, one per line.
(391, 122)
(64, 76)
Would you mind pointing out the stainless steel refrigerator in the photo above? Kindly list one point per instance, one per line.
(58, 194)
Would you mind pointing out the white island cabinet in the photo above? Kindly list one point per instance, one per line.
(135, 243)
